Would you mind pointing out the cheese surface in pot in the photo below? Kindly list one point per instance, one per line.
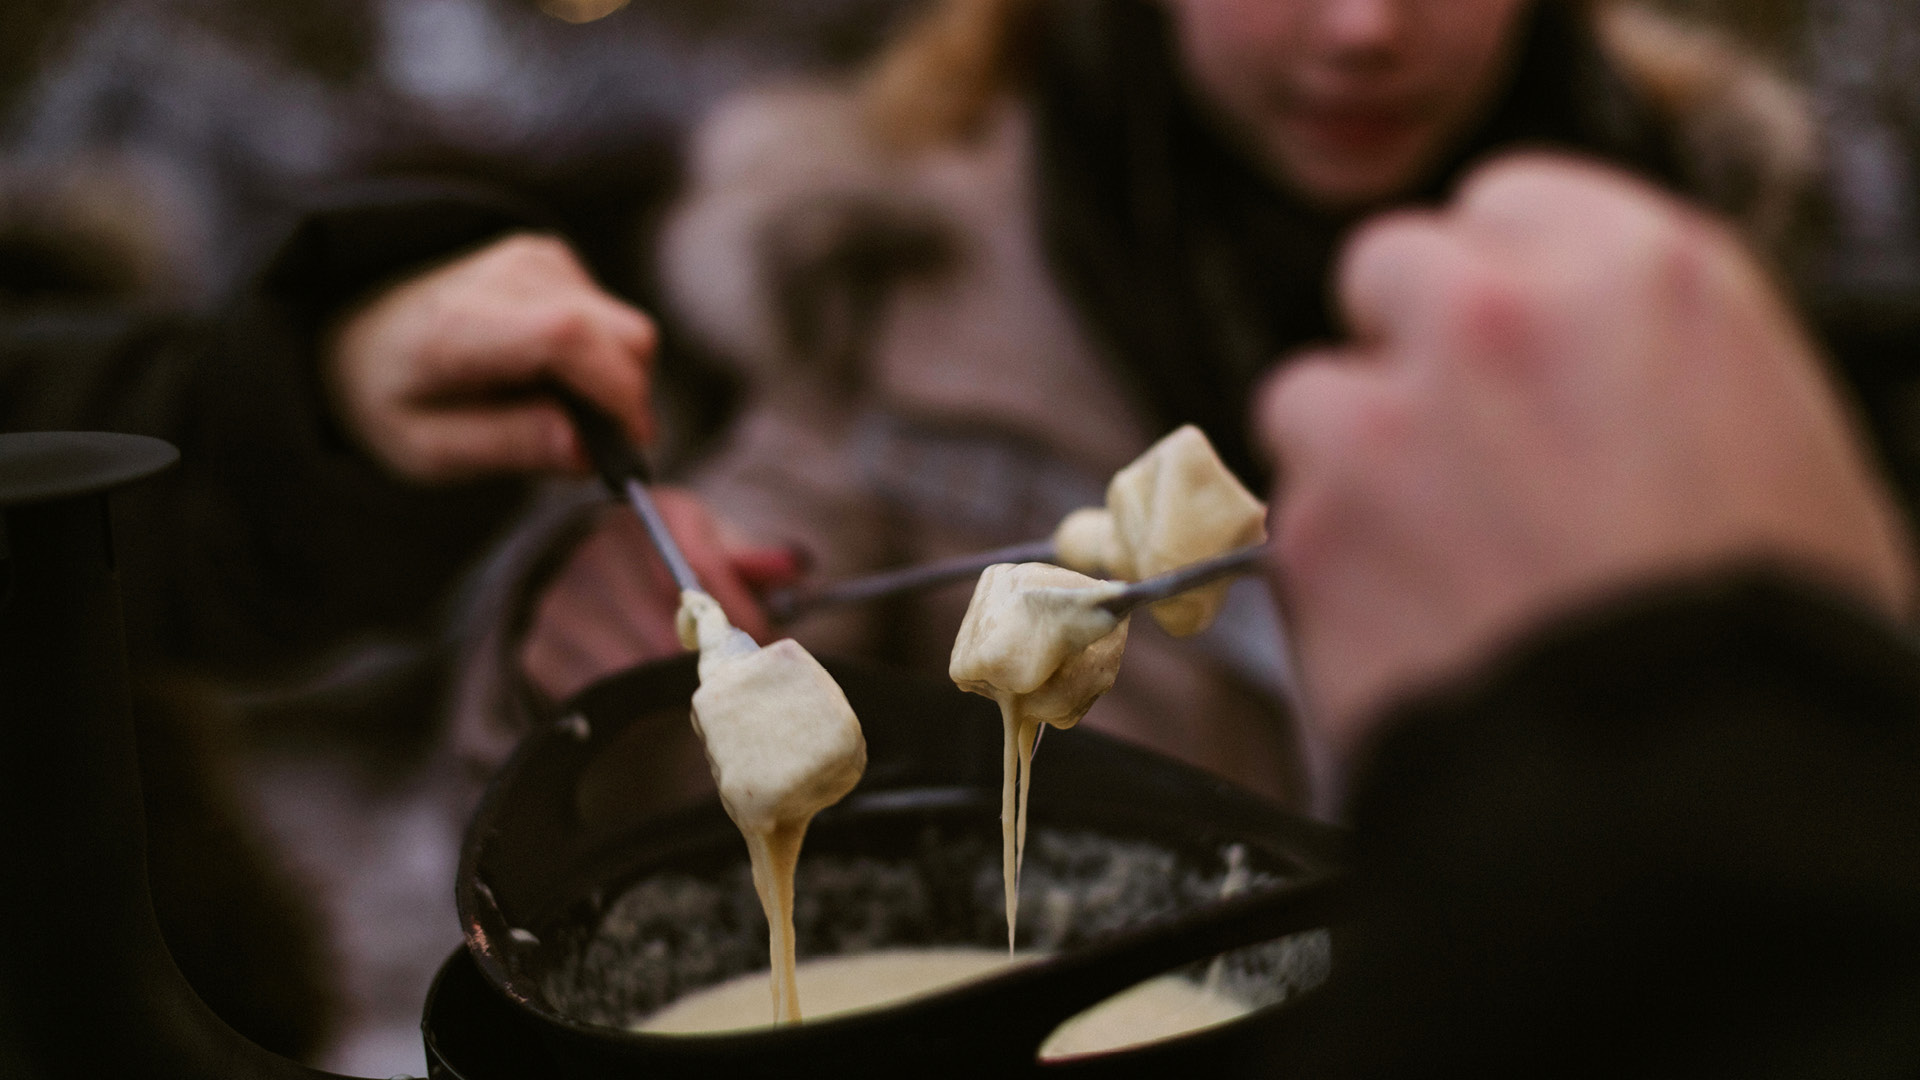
(837, 985)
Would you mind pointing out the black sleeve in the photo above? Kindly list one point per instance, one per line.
(1676, 837)
(357, 237)
(273, 543)
(276, 543)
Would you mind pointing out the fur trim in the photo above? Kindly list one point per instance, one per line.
(1747, 136)
(800, 228)
(801, 224)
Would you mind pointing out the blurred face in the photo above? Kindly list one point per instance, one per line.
(1348, 102)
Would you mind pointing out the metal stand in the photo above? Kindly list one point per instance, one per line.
(87, 987)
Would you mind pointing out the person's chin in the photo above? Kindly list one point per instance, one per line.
(1349, 165)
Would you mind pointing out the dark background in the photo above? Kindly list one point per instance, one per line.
(221, 110)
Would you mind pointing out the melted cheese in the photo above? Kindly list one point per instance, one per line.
(783, 744)
(831, 986)
(1176, 504)
(1033, 642)
(836, 985)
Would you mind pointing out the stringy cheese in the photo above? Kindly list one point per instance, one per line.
(1033, 642)
(783, 744)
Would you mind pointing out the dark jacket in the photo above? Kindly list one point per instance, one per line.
(1675, 836)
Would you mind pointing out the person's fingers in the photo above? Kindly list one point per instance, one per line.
(740, 603)
(554, 664)
(765, 568)
(1564, 210)
(610, 607)
(413, 370)
(1326, 419)
(599, 346)
(575, 642)
(606, 355)
(1292, 407)
(522, 311)
(439, 445)
(1321, 417)
(1386, 272)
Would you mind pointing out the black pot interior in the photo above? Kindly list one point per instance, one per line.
(601, 879)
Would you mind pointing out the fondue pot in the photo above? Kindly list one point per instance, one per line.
(1131, 846)
(585, 906)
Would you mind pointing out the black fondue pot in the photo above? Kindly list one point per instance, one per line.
(592, 817)
(597, 884)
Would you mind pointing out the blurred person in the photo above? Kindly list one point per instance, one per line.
(90, 334)
(961, 295)
(397, 413)
(295, 590)
(298, 590)
(1041, 233)
(1598, 590)
(294, 596)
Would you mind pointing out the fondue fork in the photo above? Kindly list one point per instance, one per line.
(1191, 576)
(785, 605)
(626, 475)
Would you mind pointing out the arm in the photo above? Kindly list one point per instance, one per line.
(1675, 832)
(1557, 387)
(1593, 582)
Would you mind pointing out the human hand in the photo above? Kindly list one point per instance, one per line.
(1563, 383)
(439, 376)
(613, 604)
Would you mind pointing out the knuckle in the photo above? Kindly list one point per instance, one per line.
(1495, 312)
(1542, 183)
(1689, 256)
(1371, 428)
(1384, 227)
(536, 250)
(563, 328)
(640, 331)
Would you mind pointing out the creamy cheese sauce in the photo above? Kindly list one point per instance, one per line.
(831, 986)
(1154, 1010)
(835, 985)
(1176, 504)
(1034, 642)
(783, 744)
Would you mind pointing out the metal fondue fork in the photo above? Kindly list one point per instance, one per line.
(785, 605)
(626, 474)
(1191, 576)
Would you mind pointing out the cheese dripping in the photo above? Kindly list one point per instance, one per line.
(1034, 641)
(783, 744)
